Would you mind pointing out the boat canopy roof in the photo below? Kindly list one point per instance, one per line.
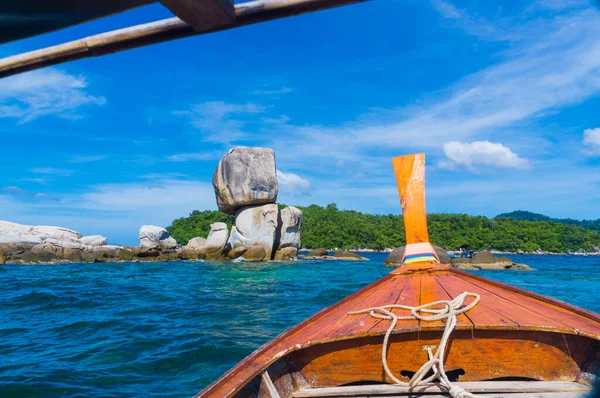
(20, 20)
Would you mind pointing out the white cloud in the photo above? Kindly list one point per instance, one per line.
(481, 153)
(293, 183)
(186, 157)
(221, 122)
(44, 92)
(87, 159)
(591, 139)
(53, 171)
(273, 91)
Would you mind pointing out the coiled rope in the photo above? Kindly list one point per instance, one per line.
(451, 309)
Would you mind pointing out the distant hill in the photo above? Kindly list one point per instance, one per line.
(593, 225)
(328, 227)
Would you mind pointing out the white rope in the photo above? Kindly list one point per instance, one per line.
(436, 360)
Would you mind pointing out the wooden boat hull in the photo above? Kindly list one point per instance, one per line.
(511, 334)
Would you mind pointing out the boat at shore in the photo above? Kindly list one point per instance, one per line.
(426, 329)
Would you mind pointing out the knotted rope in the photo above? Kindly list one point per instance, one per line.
(451, 309)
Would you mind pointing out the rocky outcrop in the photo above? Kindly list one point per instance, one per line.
(286, 253)
(255, 254)
(346, 255)
(42, 231)
(216, 240)
(255, 226)
(196, 243)
(317, 253)
(93, 240)
(288, 233)
(153, 237)
(487, 261)
(394, 259)
(245, 176)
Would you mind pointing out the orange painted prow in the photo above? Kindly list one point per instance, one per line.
(410, 177)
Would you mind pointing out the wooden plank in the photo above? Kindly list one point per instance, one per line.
(203, 15)
(267, 388)
(410, 295)
(432, 291)
(473, 387)
(483, 315)
(360, 325)
(410, 178)
(561, 313)
(526, 318)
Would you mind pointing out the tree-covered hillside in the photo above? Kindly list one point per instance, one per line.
(593, 225)
(329, 227)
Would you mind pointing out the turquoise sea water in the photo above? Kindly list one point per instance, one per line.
(169, 329)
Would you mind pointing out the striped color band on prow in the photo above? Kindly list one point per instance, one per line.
(419, 252)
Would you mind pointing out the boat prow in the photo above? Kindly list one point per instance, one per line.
(509, 342)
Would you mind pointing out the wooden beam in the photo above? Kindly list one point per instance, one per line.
(267, 388)
(410, 178)
(473, 387)
(157, 32)
(203, 15)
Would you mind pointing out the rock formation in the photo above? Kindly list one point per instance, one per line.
(245, 176)
(487, 261)
(196, 243)
(157, 238)
(93, 240)
(288, 241)
(33, 244)
(245, 184)
(216, 241)
(255, 226)
(317, 253)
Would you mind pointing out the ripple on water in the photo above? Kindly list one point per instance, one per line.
(129, 329)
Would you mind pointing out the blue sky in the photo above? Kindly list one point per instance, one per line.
(504, 100)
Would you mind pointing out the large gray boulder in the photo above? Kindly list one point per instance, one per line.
(153, 237)
(290, 226)
(255, 226)
(42, 231)
(216, 240)
(93, 240)
(245, 176)
(196, 243)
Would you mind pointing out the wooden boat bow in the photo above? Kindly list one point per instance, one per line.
(510, 335)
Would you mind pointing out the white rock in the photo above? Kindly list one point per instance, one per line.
(22, 239)
(255, 226)
(7, 227)
(196, 243)
(217, 239)
(291, 224)
(93, 240)
(245, 176)
(153, 237)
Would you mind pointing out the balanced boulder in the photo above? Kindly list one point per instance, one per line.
(153, 237)
(245, 176)
(255, 226)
